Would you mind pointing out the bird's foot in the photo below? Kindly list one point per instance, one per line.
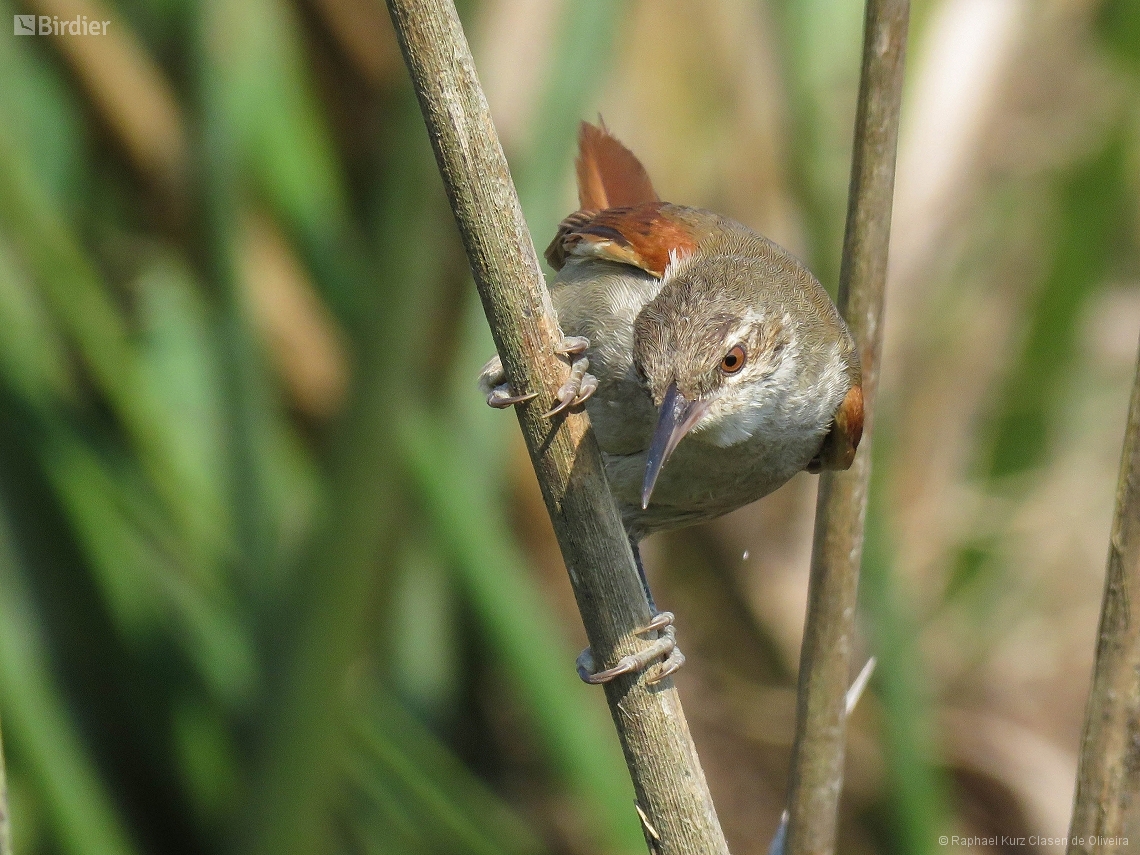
(493, 383)
(665, 645)
(580, 385)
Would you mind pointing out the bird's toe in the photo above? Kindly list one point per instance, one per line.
(572, 345)
(577, 388)
(665, 645)
(501, 397)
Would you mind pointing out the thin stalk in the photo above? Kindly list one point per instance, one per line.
(668, 781)
(575, 735)
(1106, 811)
(825, 660)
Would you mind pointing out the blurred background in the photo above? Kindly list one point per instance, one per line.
(274, 579)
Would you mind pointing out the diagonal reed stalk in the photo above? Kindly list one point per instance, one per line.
(825, 660)
(671, 792)
(1106, 812)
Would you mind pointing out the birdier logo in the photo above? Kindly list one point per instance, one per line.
(51, 25)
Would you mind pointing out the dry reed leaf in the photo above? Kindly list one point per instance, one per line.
(127, 87)
(364, 32)
(306, 344)
(513, 45)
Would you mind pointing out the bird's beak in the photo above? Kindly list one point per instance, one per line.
(677, 418)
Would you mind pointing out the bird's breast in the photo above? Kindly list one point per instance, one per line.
(702, 481)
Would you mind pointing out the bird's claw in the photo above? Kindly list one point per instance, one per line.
(500, 397)
(493, 382)
(659, 621)
(572, 345)
(580, 385)
(664, 645)
(669, 667)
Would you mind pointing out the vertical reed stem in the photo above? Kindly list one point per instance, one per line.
(1106, 811)
(825, 661)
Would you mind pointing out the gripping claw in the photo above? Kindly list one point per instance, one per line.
(500, 397)
(664, 645)
(572, 345)
(493, 382)
(580, 385)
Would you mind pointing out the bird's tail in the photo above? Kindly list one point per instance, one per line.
(609, 174)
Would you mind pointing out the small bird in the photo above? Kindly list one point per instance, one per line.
(694, 342)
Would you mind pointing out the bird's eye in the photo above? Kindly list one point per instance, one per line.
(733, 360)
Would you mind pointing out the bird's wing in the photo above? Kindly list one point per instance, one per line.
(601, 302)
(645, 236)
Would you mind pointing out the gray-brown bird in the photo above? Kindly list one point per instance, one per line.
(713, 365)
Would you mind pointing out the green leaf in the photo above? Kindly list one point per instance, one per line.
(82, 813)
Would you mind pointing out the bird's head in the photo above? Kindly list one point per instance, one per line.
(713, 349)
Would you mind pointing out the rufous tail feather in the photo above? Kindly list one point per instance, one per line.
(609, 175)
